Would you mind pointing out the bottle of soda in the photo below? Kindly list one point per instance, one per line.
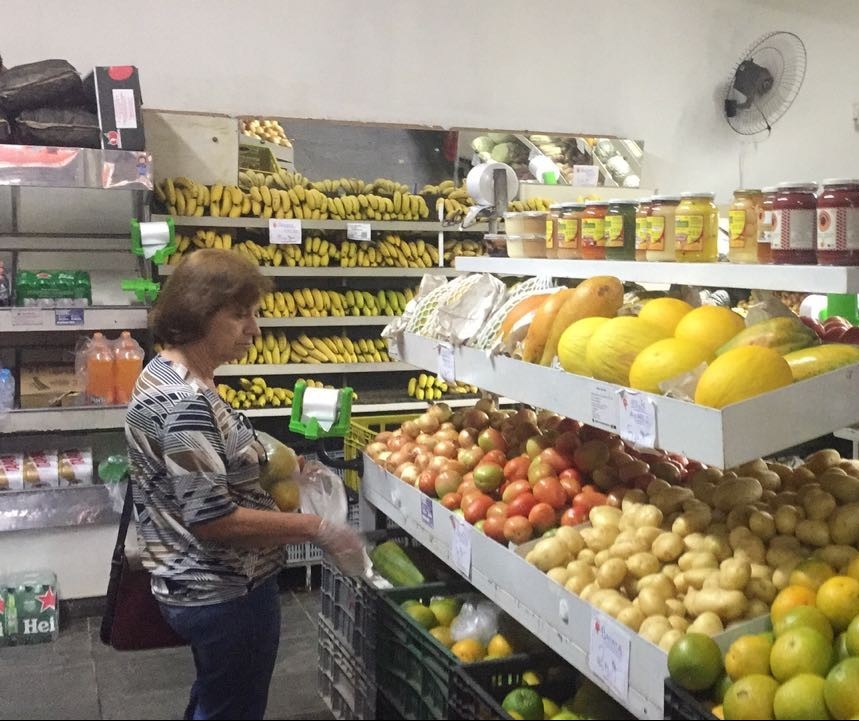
(100, 372)
(128, 357)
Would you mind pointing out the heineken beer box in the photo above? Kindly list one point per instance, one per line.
(30, 608)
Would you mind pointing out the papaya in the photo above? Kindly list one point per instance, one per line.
(613, 347)
(742, 373)
(541, 326)
(600, 296)
(783, 335)
(810, 362)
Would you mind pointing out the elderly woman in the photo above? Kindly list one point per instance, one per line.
(212, 539)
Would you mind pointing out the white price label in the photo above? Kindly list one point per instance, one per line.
(426, 512)
(284, 232)
(460, 546)
(604, 406)
(446, 362)
(585, 175)
(637, 418)
(27, 316)
(608, 654)
(358, 231)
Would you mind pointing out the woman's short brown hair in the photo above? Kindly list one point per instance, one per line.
(202, 284)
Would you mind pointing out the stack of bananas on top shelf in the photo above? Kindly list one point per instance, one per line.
(274, 348)
(432, 388)
(520, 206)
(316, 303)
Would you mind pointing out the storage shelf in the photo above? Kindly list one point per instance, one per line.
(24, 320)
(64, 242)
(338, 272)
(404, 226)
(395, 407)
(308, 369)
(801, 278)
(56, 508)
(725, 438)
(330, 321)
(46, 420)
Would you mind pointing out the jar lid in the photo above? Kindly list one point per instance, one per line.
(840, 181)
(527, 236)
(793, 185)
(572, 206)
(770, 189)
(707, 196)
(622, 201)
(596, 203)
(747, 191)
(527, 214)
(665, 199)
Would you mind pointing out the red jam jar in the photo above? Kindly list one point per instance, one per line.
(838, 222)
(794, 239)
(593, 230)
(765, 226)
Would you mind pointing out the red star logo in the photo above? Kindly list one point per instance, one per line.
(48, 599)
(597, 626)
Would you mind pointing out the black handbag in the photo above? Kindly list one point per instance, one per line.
(132, 619)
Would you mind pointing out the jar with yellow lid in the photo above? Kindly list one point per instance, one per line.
(743, 222)
(642, 229)
(570, 231)
(552, 227)
(660, 244)
(696, 228)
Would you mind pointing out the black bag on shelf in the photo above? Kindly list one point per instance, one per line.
(47, 83)
(72, 128)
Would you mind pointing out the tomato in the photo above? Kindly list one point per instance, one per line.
(495, 456)
(558, 461)
(475, 506)
(466, 487)
(549, 490)
(571, 481)
(517, 468)
(518, 530)
(491, 440)
(451, 501)
(574, 516)
(499, 508)
(426, 482)
(589, 497)
(521, 505)
(542, 517)
(488, 476)
(447, 482)
(493, 527)
(539, 469)
(515, 489)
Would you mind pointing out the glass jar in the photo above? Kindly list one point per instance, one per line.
(743, 224)
(660, 245)
(794, 239)
(529, 222)
(642, 229)
(765, 226)
(620, 230)
(696, 228)
(552, 222)
(496, 244)
(570, 231)
(593, 230)
(531, 245)
(838, 223)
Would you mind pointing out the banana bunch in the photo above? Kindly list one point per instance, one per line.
(338, 349)
(255, 393)
(272, 347)
(270, 130)
(451, 210)
(446, 189)
(320, 303)
(521, 206)
(201, 239)
(383, 302)
(391, 252)
(432, 388)
(454, 248)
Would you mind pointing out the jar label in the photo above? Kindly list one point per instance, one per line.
(614, 231)
(689, 232)
(642, 233)
(657, 233)
(593, 232)
(794, 229)
(568, 234)
(765, 227)
(838, 229)
(738, 228)
(549, 232)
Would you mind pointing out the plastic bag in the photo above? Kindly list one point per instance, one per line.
(322, 493)
(478, 621)
(684, 385)
(57, 126)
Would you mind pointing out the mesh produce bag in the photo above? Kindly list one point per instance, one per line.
(490, 334)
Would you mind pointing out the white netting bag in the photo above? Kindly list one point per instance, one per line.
(490, 334)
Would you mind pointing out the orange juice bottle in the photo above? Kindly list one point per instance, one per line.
(100, 371)
(128, 356)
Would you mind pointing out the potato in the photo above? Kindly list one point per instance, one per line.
(818, 505)
(613, 604)
(657, 486)
(719, 546)
(816, 533)
(697, 559)
(801, 476)
(741, 491)
(670, 638)
(648, 534)
(762, 524)
(680, 583)
(642, 564)
(734, 574)
(752, 549)
(653, 628)
(677, 621)
(728, 605)
(751, 468)
(703, 490)
(818, 462)
(769, 480)
(671, 570)
(837, 556)
(549, 553)
(559, 575)
(579, 567)
(599, 539)
(806, 489)
(694, 542)
(697, 577)
(587, 555)
(739, 536)
(602, 557)
(761, 570)
(658, 581)
(572, 538)
(845, 488)
(633, 497)
(605, 516)
(587, 592)
(762, 589)
(785, 498)
(785, 473)
(692, 521)
(647, 515)
(739, 517)
(707, 623)
(611, 573)
(632, 617)
(781, 575)
(786, 519)
(785, 542)
(757, 608)
(651, 601)
(671, 499)
(668, 547)
(850, 465)
(625, 549)
(844, 525)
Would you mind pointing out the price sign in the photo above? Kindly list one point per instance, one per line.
(358, 231)
(69, 316)
(636, 418)
(608, 654)
(27, 316)
(284, 231)
(460, 546)
(446, 362)
(426, 512)
(604, 411)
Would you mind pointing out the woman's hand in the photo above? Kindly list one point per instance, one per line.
(343, 543)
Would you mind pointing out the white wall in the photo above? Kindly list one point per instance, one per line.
(648, 70)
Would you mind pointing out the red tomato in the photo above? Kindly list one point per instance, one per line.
(558, 461)
(518, 530)
(475, 507)
(542, 517)
(517, 468)
(451, 501)
(495, 456)
(515, 489)
(521, 505)
(493, 527)
(571, 481)
(549, 490)
(539, 469)
(499, 508)
(574, 516)
(466, 487)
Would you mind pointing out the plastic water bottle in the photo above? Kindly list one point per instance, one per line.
(7, 391)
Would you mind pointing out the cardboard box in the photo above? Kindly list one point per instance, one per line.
(117, 92)
(46, 386)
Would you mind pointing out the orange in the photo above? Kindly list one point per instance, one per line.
(838, 598)
(499, 647)
(665, 312)
(801, 698)
(791, 597)
(748, 655)
(695, 662)
(800, 650)
(751, 697)
(840, 693)
(805, 617)
(469, 650)
(443, 635)
(709, 326)
(811, 573)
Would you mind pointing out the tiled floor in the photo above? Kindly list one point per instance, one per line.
(77, 677)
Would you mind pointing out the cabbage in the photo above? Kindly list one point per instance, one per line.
(482, 144)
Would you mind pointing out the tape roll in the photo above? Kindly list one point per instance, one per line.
(481, 183)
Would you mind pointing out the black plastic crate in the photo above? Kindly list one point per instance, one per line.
(680, 704)
(479, 689)
(341, 681)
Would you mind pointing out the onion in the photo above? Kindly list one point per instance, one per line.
(409, 473)
(428, 423)
(448, 426)
(456, 418)
(426, 440)
(467, 437)
(487, 405)
(422, 458)
(475, 418)
(398, 458)
(525, 415)
(455, 465)
(384, 436)
(374, 449)
(438, 463)
(397, 442)
(382, 458)
(410, 428)
(447, 434)
(441, 411)
(445, 448)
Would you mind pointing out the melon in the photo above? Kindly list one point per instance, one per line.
(574, 343)
(709, 326)
(740, 374)
(665, 312)
(613, 347)
(664, 360)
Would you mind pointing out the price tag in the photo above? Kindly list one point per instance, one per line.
(585, 175)
(426, 512)
(460, 546)
(608, 654)
(604, 408)
(69, 316)
(446, 362)
(284, 231)
(358, 231)
(27, 316)
(637, 418)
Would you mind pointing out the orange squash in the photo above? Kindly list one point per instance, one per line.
(520, 310)
(600, 296)
(541, 326)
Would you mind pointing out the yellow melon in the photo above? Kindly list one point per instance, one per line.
(740, 374)
(665, 312)
(709, 326)
(574, 342)
(663, 360)
(614, 346)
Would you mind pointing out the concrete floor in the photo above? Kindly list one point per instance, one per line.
(78, 677)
